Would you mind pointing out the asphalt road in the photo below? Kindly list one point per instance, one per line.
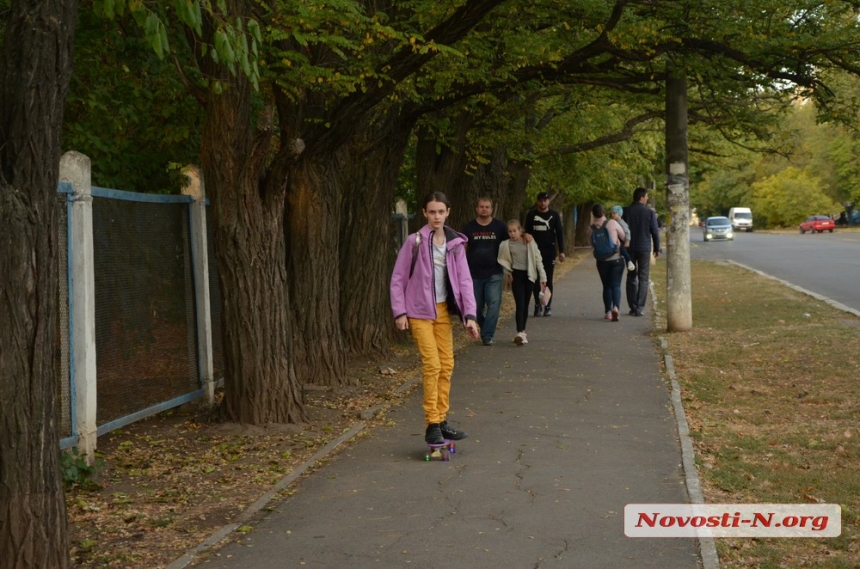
(825, 263)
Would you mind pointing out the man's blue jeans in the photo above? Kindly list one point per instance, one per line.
(488, 292)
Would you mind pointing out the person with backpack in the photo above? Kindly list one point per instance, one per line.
(429, 284)
(606, 236)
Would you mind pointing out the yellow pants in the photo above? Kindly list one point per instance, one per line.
(435, 342)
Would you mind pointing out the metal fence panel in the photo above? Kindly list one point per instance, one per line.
(61, 346)
(145, 328)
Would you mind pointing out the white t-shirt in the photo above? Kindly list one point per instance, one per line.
(440, 271)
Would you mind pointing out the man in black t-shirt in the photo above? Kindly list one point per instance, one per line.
(545, 226)
(485, 233)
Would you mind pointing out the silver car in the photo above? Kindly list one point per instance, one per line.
(718, 228)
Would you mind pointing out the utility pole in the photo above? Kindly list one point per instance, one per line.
(679, 312)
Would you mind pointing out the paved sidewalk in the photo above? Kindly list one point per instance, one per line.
(563, 432)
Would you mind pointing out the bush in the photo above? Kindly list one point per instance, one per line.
(76, 471)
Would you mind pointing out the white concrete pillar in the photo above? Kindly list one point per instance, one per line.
(200, 267)
(75, 169)
(400, 207)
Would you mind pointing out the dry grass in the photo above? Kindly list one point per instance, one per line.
(770, 386)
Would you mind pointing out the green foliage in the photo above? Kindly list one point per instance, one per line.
(826, 155)
(128, 110)
(605, 173)
(787, 198)
(743, 70)
(325, 46)
(722, 190)
(76, 471)
(236, 41)
(844, 152)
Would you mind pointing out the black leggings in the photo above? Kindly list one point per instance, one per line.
(521, 287)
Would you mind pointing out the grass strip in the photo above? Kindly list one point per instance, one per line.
(770, 381)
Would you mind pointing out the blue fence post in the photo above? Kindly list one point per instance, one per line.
(75, 168)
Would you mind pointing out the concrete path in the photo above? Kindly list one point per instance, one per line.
(563, 432)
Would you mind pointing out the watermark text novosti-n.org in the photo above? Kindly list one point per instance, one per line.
(732, 520)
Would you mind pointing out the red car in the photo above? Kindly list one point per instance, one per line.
(819, 223)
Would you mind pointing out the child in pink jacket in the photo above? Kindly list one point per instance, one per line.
(431, 282)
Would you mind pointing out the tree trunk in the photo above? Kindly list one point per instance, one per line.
(470, 183)
(368, 251)
(577, 234)
(442, 170)
(679, 302)
(510, 205)
(260, 384)
(500, 179)
(313, 232)
(34, 77)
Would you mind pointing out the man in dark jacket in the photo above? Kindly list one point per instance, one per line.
(644, 237)
(545, 226)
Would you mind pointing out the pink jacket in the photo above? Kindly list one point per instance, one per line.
(415, 296)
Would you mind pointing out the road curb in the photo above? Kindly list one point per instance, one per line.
(707, 546)
(815, 295)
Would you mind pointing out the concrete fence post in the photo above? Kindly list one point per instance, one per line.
(75, 168)
(200, 266)
(400, 207)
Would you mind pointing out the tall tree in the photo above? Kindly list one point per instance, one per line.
(366, 263)
(341, 65)
(214, 47)
(260, 382)
(330, 126)
(35, 66)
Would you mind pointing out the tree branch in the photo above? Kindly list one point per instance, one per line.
(626, 133)
(193, 89)
(403, 64)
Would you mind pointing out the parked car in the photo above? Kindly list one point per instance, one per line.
(718, 228)
(819, 223)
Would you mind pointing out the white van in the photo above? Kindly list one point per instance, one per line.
(741, 218)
